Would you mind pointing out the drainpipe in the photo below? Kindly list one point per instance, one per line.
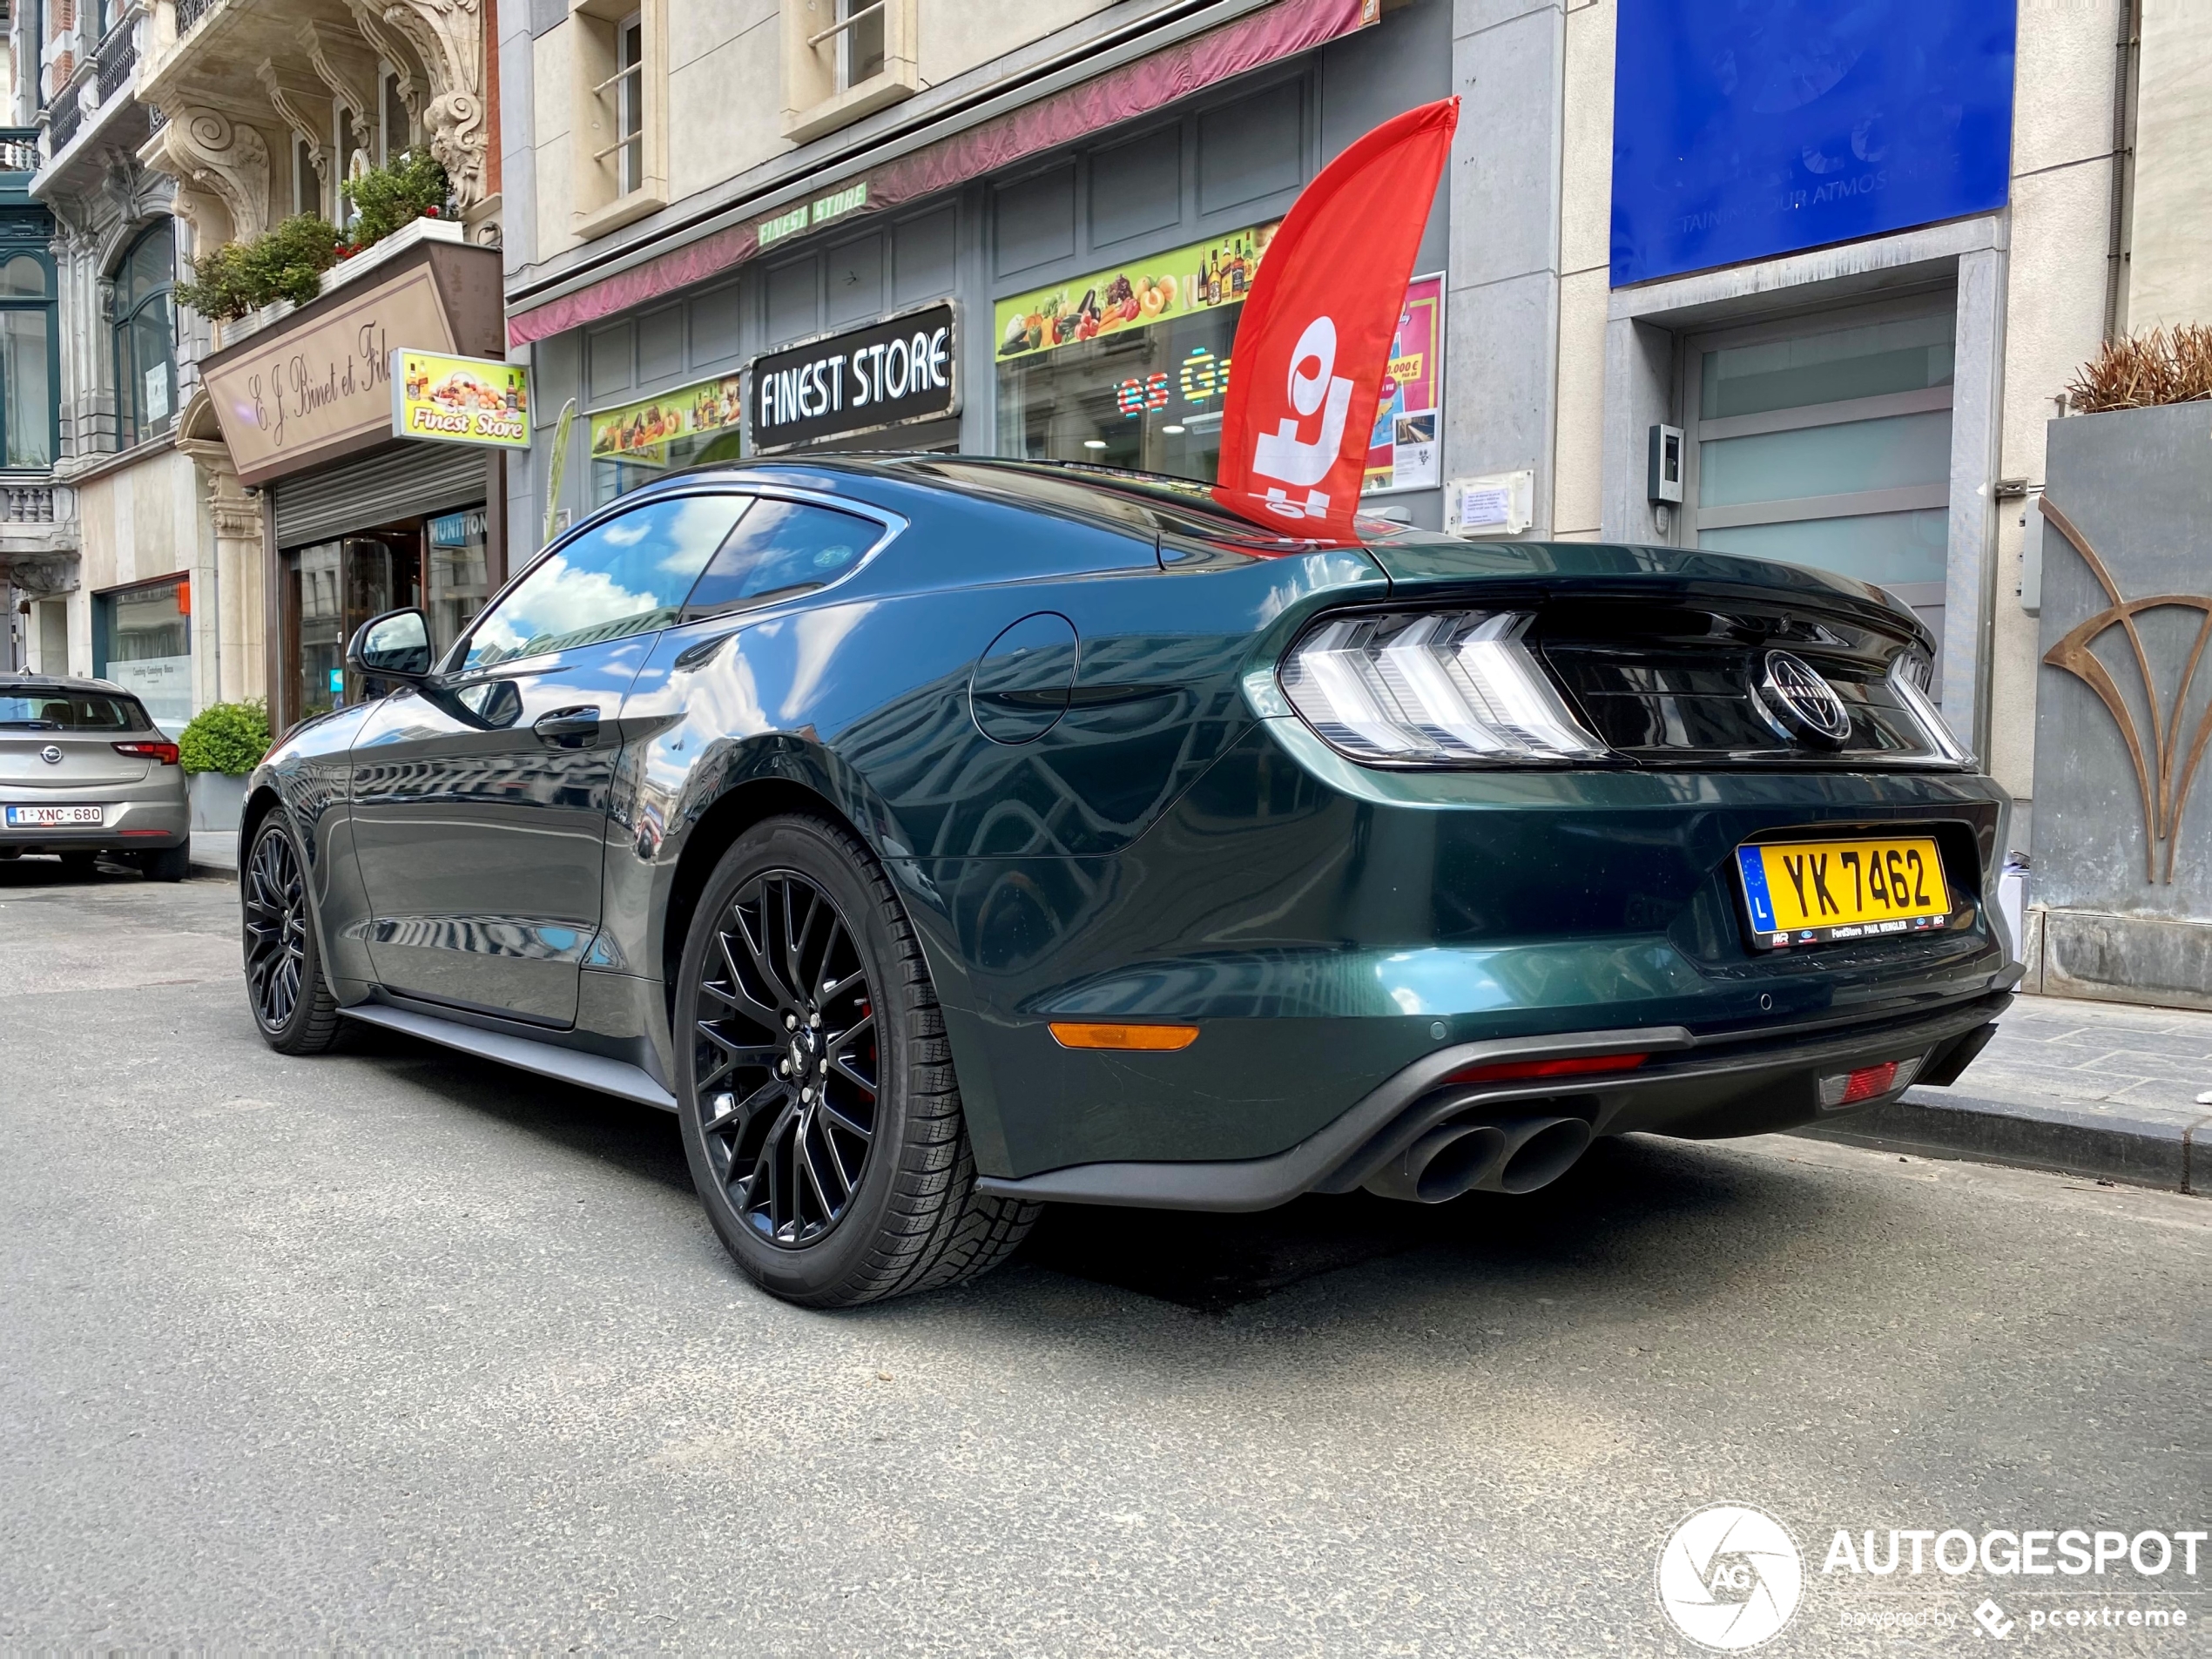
(2125, 55)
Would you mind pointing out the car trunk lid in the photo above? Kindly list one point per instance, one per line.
(31, 759)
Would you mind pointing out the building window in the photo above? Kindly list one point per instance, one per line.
(398, 130)
(621, 73)
(1827, 443)
(146, 349)
(844, 59)
(27, 366)
(306, 183)
(142, 640)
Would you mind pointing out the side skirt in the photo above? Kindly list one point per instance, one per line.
(525, 1054)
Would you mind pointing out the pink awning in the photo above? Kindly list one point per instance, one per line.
(1151, 83)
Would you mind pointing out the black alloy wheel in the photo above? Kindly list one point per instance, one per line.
(786, 1068)
(284, 982)
(814, 1080)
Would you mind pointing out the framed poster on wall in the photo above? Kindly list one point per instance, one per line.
(1406, 451)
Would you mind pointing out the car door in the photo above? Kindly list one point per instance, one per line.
(480, 800)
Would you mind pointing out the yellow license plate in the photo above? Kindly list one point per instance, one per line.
(1809, 893)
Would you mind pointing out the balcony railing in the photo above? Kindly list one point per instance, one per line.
(26, 504)
(67, 115)
(190, 11)
(118, 58)
(18, 149)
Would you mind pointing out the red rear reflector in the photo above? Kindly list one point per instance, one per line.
(1578, 1066)
(1085, 1033)
(165, 753)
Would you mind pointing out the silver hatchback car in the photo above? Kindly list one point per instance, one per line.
(85, 771)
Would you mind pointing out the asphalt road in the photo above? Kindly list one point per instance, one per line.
(393, 1349)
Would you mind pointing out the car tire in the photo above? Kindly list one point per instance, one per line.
(284, 986)
(821, 1116)
(168, 863)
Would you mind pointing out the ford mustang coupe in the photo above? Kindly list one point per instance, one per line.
(940, 837)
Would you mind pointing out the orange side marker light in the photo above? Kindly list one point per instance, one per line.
(1087, 1034)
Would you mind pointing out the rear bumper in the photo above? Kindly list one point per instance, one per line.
(1737, 1084)
(132, 826)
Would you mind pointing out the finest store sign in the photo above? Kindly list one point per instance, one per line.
(888, 374)
(459, 400)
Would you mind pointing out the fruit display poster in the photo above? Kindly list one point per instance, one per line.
(642, 431)
(459, 400)
(1181, 282)
(1406, 451)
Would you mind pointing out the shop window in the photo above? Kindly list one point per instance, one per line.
(1127, 368)
(627, 576)
(146, 349)
(621, 82)
(844, 59)
(142, 640)
(458, 579)
(1828, 443)
(639, 442)
(28, 369)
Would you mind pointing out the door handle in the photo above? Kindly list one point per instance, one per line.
(576, 728)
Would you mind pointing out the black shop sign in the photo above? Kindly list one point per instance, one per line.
(885, 374)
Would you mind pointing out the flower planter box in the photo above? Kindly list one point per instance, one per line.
(218, 801)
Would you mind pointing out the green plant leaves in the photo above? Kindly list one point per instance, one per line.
(225, 737)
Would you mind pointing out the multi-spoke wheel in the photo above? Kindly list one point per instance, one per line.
(786, 1072)
(284, 982)
(820, 1114)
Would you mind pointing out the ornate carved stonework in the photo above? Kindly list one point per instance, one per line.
(236, 514)
(396, 51)
(448, 37)
(296, 104)
(217, 158)
(347, 72)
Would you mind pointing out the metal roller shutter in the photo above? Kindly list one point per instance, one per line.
(392, 483)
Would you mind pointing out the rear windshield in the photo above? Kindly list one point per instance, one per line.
(60, 710)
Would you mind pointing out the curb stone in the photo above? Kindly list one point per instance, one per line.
(2109, 1146)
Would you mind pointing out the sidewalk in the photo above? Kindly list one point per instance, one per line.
(214, 851)
(2105, 1089)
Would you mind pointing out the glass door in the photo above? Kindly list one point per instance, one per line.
(331, 590)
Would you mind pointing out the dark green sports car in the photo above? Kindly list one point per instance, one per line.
(940, 837)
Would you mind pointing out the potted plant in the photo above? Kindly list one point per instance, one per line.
(223, 743)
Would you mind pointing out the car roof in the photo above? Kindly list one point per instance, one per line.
(1118, 497)
(20, 683)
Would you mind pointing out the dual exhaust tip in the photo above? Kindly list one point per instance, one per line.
(1506, 1154)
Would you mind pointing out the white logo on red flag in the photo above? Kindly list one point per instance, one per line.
(1314, 342)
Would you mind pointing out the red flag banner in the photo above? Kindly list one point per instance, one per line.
(1314, 342)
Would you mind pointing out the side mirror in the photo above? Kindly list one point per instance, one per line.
(395, 647)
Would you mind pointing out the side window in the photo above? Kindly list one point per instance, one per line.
(627, 576)
(782, 548)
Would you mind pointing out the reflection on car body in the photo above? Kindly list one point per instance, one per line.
(942, 837)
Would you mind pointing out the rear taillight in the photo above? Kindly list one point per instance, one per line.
(1910, 675)
(1434, 688)
(150, 749)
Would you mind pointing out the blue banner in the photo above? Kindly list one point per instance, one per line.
(1743, 128)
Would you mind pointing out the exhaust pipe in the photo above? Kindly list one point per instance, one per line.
(1512, 1155)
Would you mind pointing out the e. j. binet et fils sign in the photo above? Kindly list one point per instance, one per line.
(323, 388)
